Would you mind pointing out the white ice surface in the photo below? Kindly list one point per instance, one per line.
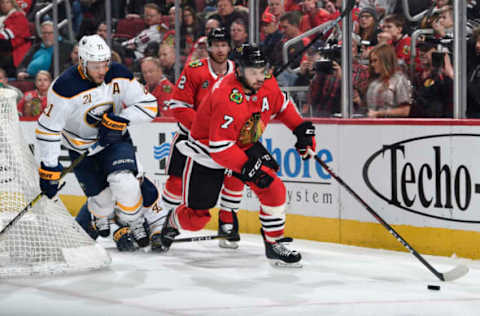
(202, 279)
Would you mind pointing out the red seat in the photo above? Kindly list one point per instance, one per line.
(128, 28)
(23, 85)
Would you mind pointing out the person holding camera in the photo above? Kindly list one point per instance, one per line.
(324, 97)
(433, 92)
(389, 92)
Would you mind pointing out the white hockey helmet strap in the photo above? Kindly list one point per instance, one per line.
(93, 48)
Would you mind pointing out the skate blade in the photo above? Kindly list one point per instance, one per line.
(282, 264)
(223, 243)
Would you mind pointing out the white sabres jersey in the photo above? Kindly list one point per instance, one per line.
(75, 106)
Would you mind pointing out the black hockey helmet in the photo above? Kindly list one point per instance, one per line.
(218, 34)
(250, 55)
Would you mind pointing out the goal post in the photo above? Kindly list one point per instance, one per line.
(46, 240)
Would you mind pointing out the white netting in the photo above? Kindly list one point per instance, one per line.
(46, 240)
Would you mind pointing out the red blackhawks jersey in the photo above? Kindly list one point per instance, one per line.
(229, 122)
(192, 87)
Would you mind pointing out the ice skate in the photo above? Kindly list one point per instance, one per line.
(139, 232)
(102, 226)
(229, 229)
(279, 255)
(161, 241)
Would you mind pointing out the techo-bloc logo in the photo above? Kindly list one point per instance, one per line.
(434, 176)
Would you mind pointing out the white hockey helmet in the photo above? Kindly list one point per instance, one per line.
(93, 48)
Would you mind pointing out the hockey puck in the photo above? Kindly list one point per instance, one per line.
(433, 287)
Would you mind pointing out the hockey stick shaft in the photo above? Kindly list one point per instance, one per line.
(347, 10)
(439, 275)
(201, 238)
(74, 163)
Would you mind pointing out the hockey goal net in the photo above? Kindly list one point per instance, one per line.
(46, 240)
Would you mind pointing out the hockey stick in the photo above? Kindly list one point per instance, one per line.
(91, 150)
(348, 8)
(451, 275)
(201, 238)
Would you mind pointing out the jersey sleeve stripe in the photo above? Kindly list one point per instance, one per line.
(142, 109)
(47, 140)
(37, 131)
(216, 147)
(47, 129)
(176, 104)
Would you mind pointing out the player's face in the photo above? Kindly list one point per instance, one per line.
(219, 52)
(255, 77)
(97, 70)
(477, 46)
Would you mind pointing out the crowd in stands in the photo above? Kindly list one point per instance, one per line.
(389, 78)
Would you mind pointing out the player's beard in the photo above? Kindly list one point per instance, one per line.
(218, 59)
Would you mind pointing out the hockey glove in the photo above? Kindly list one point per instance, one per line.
(49, 179)
(305, 133)
(124, 239)
(112, 129)
(252, 172)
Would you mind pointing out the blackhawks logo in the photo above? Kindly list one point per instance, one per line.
(236, 96)
(166, 88)
(252, 130)
(195, 64)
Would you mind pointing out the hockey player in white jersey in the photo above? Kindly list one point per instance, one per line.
(96, 101)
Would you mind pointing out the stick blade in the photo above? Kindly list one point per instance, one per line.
(455, 273)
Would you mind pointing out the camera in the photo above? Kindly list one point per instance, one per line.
(330, 53)
(438, 60)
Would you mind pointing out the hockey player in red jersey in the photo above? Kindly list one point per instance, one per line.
(224, 136)
(193, 86)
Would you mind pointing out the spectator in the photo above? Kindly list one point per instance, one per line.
(443, 25)
(4, 84)
(433, 94)
(199, 50)
(116, 47)
(272, 44)
(153, 20)
(289, 26)
(312, 15)
(238, 33)
(389, 92)
(227, 13)
(73, 58)
(307, 70)
(14, 36)
(35, 101)
(190, 30)
(24, 5)
(157, 84)
(276, 8)
(394, 33)
(40, 56)
(166, 55)
(324, 98)
(367, 28)
(473, 75)
(210, 25)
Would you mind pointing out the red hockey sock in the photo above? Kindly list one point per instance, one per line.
(226, 216)
(190, 219)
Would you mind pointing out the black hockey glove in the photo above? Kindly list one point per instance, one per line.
(251, 172)
(259, 151)
(305, 133)
(49, 179)
(112, 129)
(124, 239)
